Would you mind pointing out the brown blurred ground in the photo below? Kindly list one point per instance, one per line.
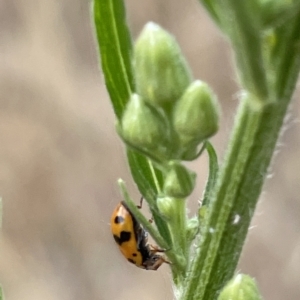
(60, 158)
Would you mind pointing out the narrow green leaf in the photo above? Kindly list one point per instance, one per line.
(147, 184)
(149, 181)
(213, 171)
(115, 50)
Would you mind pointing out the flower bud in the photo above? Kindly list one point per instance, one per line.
(161, 72)
(192, 228)
(144, 128)
(179, 181)
(242, 287)
(166, 206)
(196, 115)
(192, 152)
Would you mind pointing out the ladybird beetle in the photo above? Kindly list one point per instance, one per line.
(132, 239)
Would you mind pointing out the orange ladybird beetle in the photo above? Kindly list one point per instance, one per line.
(132, 239)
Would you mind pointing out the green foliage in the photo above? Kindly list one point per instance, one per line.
(114, 41)
(169, 117)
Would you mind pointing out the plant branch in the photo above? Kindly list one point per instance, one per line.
(238, 187)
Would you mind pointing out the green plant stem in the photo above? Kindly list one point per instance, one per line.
(236, 194)
(245, 166)
(238, 187)
(288, 68)
(221, 203)
(242, 198)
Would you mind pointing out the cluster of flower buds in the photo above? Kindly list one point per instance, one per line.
(170, 115)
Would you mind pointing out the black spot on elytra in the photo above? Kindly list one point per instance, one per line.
(131, 260)
(118, 220)
(124, 237)
(134, 254)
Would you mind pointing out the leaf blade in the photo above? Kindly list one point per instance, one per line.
(115, 50)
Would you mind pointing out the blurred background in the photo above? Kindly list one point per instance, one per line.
(60, 158)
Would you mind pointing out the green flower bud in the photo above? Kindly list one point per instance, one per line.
(192, 229)
(179, 181)
(161, 72)
(142, 127)
(242, 287)
(192, 152)
(196, 115)
(166, 206)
